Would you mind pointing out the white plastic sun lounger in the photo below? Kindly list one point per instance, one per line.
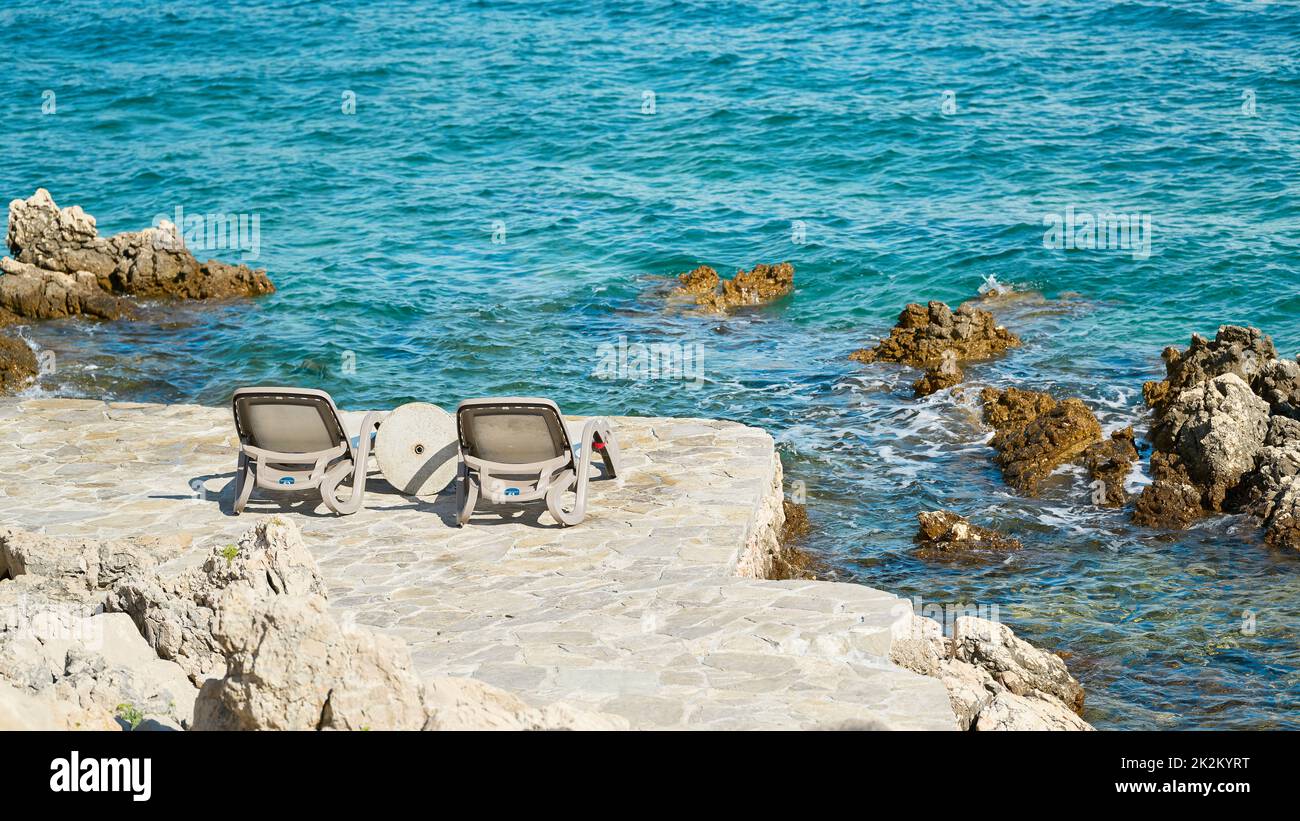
(519, 449)
(294, 439)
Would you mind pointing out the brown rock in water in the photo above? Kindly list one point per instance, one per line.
(702, 281)
(791, 562)
(1109, 463)
(18, 365)
(935, 379)
(764, 283)
(1226, 435)
(1037, 434)
(153, 263)
(1012, 409)
(796, 522)
(943, 531)
(1172, 499)
(924, 333)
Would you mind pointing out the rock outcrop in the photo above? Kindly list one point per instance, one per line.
(925, 332)
(938, 377)
(84, 564)
(995, 680)
(764, 283)
(1035, 434)
(150, 263)
(18, 365)
(455, 703)
(22, 710)
(36, 293)
(1235, 350)
(70, 665)
(1225, 435)
(943, 532)
(1216, 429)
(175, 614)
(290, 666)
(102, 667)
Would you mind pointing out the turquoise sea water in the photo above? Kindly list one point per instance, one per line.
(531, 125)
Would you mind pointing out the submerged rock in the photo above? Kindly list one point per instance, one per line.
(1035, 434)
(1109, 463)
(946, 532)
(764, 283)
(18, 365)
(924, 333)
(175, 614)
(62, 267)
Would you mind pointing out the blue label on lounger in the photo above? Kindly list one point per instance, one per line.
(288, 480)
(512, 491)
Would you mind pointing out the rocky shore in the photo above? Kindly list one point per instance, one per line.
(60, 267)
(658, 612)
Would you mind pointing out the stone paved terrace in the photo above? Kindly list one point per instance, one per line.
(644, 610)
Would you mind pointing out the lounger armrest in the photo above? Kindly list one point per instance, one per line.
(263, 455)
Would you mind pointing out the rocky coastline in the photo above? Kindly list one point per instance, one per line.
(218, 646)
(60, 267)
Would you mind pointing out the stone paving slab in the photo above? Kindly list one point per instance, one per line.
(643, 610)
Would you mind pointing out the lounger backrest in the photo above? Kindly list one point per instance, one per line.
(288, 420)
(512, 430)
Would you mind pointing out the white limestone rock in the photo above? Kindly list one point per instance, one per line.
(23, 710)
(88, 564)
(96, 664)
(175, 614)
(1008, 711)
(994, 679)
(290, 666)
(457, 703)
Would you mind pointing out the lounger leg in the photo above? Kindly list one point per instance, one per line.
(466, 496)
(360, 465)
(561, 484)
(245, 478)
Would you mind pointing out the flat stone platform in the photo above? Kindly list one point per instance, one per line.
(649, 609)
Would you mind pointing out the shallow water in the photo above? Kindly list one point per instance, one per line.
(378, 228)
